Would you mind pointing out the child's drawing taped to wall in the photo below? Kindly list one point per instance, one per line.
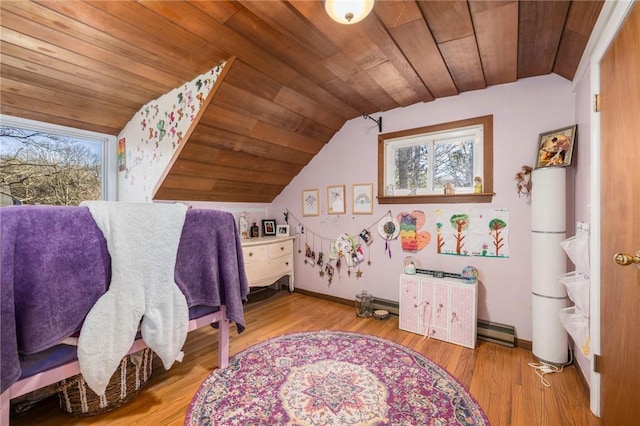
(473, 232)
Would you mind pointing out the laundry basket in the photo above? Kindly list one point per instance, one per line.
(77, 399)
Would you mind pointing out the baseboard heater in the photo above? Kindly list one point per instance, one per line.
(501, 334)
(388, 305)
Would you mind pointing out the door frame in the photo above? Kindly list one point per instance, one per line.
(611, 18)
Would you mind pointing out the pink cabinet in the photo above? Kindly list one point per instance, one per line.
(442, 308)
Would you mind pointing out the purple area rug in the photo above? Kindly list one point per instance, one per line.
(332, 378)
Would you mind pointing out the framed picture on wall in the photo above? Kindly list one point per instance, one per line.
(268, 227)
(335, 199)
(310, 202)
(555, 148)
(362, 198)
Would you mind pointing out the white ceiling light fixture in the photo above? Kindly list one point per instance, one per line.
(348, 11)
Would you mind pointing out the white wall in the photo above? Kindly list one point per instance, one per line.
(521, 111)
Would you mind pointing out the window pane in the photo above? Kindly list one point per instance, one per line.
(38, 167)
(412, 167)
(453, 164)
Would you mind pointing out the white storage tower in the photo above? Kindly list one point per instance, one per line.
(548, 231)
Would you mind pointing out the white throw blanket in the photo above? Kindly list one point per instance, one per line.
(143, 240)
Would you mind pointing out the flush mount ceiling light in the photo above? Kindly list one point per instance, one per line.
(348, 11)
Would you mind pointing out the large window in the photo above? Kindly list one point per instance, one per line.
(47, 164)
(422, 165)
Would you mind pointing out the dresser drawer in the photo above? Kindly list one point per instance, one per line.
(269, 271)
(280, 249)
(255, 253)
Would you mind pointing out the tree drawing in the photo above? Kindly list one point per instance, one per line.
(495, 228)
(440, 237)
(460, 222)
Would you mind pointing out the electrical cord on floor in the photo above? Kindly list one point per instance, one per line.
(543, 368)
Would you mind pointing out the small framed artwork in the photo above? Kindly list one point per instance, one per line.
(122, 154)
(282, 231)
(310, 202)
(268, 227)
(362, 198)
(555, 148)
(335, 199)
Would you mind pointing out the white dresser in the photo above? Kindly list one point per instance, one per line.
(267, 259)
(442, 308)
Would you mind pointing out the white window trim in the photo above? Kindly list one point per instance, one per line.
(108, 143)
(474, 132)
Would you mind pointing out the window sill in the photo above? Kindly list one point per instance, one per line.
(437, 199)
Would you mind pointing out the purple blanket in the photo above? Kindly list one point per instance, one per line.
(55, 265)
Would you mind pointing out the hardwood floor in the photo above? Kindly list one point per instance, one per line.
(508, 390)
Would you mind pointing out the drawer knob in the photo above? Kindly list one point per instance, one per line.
(281, 248)
(250, 253)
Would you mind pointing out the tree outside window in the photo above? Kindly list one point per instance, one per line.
(37, 167)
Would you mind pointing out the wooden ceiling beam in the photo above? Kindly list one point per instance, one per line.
(224, 118)
(74, 50)
(292, 100)
(222, 139)
(448, 20)
(303, 59)
(326, 97)
(540, 30)
(79, 20)
(406, 80)
(416, 42)
(154, 27)
(287, 20)
(462, 59)
(242, 193)
(220, 10)
(350, 73)
(241, 172)
(101, 113)
(50, 78)
(53, 117)
(192, 16)
(575, 36)
(496, 28)
(283, 137)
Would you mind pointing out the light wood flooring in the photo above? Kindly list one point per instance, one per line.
(508, 390)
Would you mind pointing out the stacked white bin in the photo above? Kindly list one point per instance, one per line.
(550, 341)
(575, 319)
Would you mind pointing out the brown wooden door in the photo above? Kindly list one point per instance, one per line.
(620, 225)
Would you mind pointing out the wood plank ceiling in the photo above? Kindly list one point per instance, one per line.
(294, 76)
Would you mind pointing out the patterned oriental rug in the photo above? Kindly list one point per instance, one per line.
(332, 378)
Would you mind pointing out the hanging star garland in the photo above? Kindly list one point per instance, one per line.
(326, 264)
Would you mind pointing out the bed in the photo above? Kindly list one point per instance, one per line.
(55, 265)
